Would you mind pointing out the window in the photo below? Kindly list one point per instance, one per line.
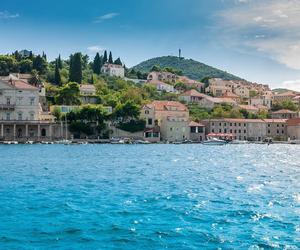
(20, 118)
(32, 99)
(8, 100)
(7, 116)
(277, 131)
(212, 130)
(269, 132)
(147, 112)
(193, 129)
(31, 116)
(245, 131)
(200, 129)
(19, 100)
(150, 121)
(171, 129)
(230, 124)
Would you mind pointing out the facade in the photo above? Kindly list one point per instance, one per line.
(249, 108)
(249, 129)
(192, 83)
(285, 114)
(155, 76)
(264, 100)
(171, 117)
(161, 86)
(197, 131)
(219, 87)
(88, 94)
(205, 101)
(286, 96)
(21, 115)
(113, 70)
(293, 129)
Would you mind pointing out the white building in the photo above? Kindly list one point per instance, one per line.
(161, 86)
(113, 70)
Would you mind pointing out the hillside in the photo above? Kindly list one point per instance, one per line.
(191, 68)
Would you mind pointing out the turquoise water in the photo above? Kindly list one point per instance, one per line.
(149, 197)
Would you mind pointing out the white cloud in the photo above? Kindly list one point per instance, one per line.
(293, 85)
(269, 26)
(7, 15)
(106, 17)
(95, 49)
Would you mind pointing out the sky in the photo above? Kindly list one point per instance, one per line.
(258, 40)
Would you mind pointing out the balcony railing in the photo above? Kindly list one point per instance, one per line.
(7, 107)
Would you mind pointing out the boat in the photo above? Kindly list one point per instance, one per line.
(65, 142)
(238, 142)
(29, 142)
(214, 142)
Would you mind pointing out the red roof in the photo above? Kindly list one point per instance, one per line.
(165, 105)
(293, 122)
(192, 92)
(284, 111)
(195, 124)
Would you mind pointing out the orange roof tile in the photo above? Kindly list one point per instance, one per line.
(293, 122)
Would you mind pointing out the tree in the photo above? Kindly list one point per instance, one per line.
(57, 78)
(8, 64)
(97, 64)
(25, 66)
(288, 104)
(59, 62)
(156, 68)
(110, 59)
(92, 79)
(68, 94)
(44, 56)
(105, 57)
(35, 79)
(127, 111)
(118, 61)
(40, 64)
(75, 72)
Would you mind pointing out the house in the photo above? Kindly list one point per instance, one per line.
(293, 129)
(249, 108)
(88, 94)
(162, 86)
(205, 101)
(284, 114)
(191, 83)
(21, 115)
(261, 100)
(242, 91)
(113, 70)
(219, 87)
(172, 118)
(276, 129)
(233, 96)
(241, 129)
(286, 96)
(156, 76)
(197, 131)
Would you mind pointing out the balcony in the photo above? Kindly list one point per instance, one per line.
(9, 107)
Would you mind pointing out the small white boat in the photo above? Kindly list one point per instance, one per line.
(65, 142)
(29, 142)
(238, 142)
(214, 142)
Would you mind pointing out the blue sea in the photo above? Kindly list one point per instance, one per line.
(149, 197)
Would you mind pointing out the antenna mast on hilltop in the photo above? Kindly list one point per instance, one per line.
(179, 53)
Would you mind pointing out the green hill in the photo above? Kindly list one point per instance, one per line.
(191, 68)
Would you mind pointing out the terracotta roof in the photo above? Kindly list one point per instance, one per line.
(20, 84)
(109, 65)
(293, 122)
(248, 107)
(87, 87)
(288, 93)
(164, 105)
(284, 111)
(196, 124)
(237, 120)
(230, 95)
(193, 92)
(275, 120)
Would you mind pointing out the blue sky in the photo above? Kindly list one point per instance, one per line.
(257, 40)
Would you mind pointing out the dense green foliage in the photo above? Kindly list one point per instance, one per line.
(191, 68)
(133, 126)
(284, 105)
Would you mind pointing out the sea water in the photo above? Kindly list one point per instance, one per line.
(149, 197)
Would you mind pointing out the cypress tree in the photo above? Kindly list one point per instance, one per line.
(110, 59)
(97, 64)
(105, 57)
(92, 79)
(44, 56)
(75, 73)
(118, 61)
(57, 78)
(59, 62)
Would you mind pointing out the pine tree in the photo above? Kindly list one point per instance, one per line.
(75, 73)
(92, 79)
(97, 64)
(59, 62)
(44, 56)
(31, 56)
(105, 57)
(118, 61)
(57, 78)
(110, 59)
(40, 64)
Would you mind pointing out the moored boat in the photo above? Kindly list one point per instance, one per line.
(214, 142)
